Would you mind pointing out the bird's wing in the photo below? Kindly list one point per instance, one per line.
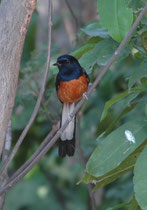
(57, 82)
(88, 79)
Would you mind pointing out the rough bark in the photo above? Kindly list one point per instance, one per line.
(14, 20)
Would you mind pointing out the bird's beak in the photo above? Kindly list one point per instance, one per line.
(56, 64)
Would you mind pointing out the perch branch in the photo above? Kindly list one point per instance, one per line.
(42, 145)
(19, 177)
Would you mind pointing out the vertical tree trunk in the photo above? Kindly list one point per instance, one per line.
(14, 20)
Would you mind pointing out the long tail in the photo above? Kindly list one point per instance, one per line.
(67, 139)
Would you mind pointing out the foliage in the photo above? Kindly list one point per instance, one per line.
(118, 20)
(113, 122)
(140, 183)
(114, 154)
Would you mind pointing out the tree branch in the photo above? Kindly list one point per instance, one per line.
(78, 106)
(41, 147)
(37, 106)
(15, 17)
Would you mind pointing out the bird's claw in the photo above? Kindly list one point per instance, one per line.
(85, 96)
(70, 118)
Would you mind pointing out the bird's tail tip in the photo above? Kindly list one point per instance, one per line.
(66, 147)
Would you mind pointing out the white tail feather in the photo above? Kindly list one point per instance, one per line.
(69, 130)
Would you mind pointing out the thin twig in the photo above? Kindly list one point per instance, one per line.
(4, 179)
(42, 145)
(78, 106)
(73, 15)
(92, 198)
(37, 106)
(83, 161)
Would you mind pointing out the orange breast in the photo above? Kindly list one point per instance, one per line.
(71, 91)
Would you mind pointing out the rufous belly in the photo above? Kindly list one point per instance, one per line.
(71, 91)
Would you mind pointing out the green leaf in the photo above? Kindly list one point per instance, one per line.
(117, 118)
(101, 54)
(80, 51)
(109, 122)
(119, 206)
(140, 179)
(133, 204)
(138, 73)
(144, 39)
(116, 147)
(95, 29)
(111, 102)
(124, 167)
(87, 179)
(119, 97)
(90, 44)
(116, 17)
(142, 30)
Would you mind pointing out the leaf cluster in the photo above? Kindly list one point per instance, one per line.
(122, 128)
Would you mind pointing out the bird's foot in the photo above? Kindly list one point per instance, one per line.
(70, 118)
(85, 96)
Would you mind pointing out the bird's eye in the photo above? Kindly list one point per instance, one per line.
(67, 61)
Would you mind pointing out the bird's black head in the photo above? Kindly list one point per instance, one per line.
(66, 61)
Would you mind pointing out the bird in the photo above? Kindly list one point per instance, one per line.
(71, 83)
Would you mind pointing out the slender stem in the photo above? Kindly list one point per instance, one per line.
(37, 106)
(41, 147)
(75, 111)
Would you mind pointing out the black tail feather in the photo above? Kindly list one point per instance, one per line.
(62, 148)
(66, 148)
(70, 147)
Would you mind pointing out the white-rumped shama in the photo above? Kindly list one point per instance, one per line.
(71, 83)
